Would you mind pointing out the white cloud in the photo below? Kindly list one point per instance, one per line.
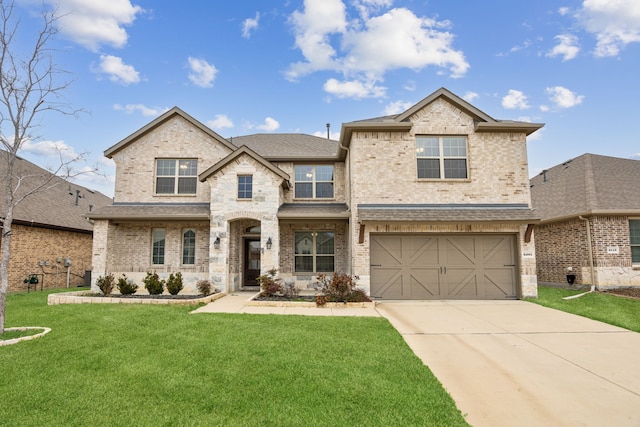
(143, 109)
(117, 70)
(221, 121)
(354, 89)
(270, 125)
(202, 73)
(396, 107)
(544, 108)
(93, 23)
(614, 23)
(50, 149)
(515, 99)
(365, 48)
(563, 97)
(249, 25)
(470, 96)
(564, 11)
(567, 47)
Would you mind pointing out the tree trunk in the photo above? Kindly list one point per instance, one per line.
(4, 262)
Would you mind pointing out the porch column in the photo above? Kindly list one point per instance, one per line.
(99, 254)
(219, 258)
(269, 229)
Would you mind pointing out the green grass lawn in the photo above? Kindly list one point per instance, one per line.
(139, 365)
(623, 312)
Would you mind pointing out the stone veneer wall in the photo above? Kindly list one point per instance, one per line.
(32, 244)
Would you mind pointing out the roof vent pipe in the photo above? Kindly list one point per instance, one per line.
(328, 133)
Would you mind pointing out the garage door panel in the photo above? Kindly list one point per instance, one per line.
(443, 266)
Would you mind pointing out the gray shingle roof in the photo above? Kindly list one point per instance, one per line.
(588, 184)
(56, 206)
(153, 211)
(275, 146)
(448, 213)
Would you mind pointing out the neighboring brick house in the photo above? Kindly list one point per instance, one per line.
(430, 203)
(590, 210)
(51, 237)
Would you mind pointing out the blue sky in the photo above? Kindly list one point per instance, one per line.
(267, 66)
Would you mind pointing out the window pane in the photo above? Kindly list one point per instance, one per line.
(428, 168)
(455, 168)
(427, 147)
(304, 264)
(324, 173)
(165, 167)
(635, 254)
(188, 167)
(245, 187)
(165, 186)
(157, 252)
(303, 173)
(187, 185)
(324, 242)
(303, 191)
(303, 243)
(634, 231)
(324, 190)
(324, 264)
(454, 146)
(189, 247)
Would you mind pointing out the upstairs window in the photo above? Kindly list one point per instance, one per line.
(245, 186)
(634, 234)
(176, 176)
(442, 157)
(313, 182)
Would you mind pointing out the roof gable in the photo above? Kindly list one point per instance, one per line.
(243, 150)
(175, 111)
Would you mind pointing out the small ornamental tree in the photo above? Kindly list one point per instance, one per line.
(174, 283)
(126, 286)
(153, 284)
(106, 284)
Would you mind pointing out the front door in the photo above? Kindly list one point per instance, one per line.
(251, 261)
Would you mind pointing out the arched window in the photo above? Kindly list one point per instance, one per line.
(189, 247)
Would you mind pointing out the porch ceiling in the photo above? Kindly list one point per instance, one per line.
(313, 210)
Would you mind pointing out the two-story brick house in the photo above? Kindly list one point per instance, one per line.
(430, 203)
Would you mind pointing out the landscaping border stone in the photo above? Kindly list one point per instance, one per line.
(85, 297)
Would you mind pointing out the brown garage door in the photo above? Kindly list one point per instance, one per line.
(443, 266)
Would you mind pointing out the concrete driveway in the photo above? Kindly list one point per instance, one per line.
(514, 363)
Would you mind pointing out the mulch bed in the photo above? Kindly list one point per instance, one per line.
(146, 296)
(305, 298)
(624, 292)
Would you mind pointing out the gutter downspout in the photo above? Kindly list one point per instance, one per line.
(350, 264)
(593, 273)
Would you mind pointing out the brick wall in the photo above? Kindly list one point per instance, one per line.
(29, 245)
(560, 245)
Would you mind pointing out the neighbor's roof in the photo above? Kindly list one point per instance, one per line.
(55, 207)
(587, 185)
(454, 213)
(154, 212)
(289, 146)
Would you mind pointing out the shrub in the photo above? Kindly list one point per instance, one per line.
(204, 287)
(174, 283)
(126, 286)
(340, 288)
(105, 284)
(270, 285)
(153, 284)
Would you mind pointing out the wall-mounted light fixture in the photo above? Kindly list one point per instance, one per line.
(269, 243)
(216, 243)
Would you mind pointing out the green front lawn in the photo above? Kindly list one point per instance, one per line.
(618, 311)
(140, 365)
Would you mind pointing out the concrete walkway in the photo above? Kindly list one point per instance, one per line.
(514, 363)
(508, 363)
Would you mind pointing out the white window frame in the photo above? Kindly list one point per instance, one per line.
(176, 176)
(184, 246)
(160, 256)
(422, 154)
(312, 175)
